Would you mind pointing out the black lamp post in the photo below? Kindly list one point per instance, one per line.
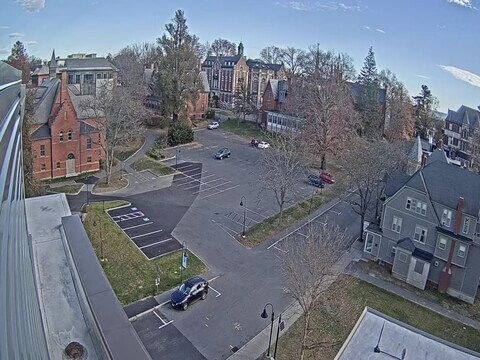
(176, 158)
(86, 183)
(243, 202)
(278, 334)
(100, 230)
(264, 315)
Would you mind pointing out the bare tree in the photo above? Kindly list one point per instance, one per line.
(309, 270)
(474, 147)
(316, 61)
(282, 166)
(292, 58)
(243, 103)
(368, 164)
(325, 103)
(271, 54)
(223, 47)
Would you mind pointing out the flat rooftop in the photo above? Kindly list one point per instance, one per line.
(395, 339)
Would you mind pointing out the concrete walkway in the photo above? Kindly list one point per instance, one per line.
(408, 295)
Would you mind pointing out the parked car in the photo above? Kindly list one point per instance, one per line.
(223, 153)
(254, 142)
(316, 181)
(328, 178)
(213, 125)
(263, 145)
(193, 289)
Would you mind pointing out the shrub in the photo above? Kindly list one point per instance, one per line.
(211, 114)
(155, 152)
(179, 134)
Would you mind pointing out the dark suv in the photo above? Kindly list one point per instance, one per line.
(190, 291)
(222, 154)
(316, 181)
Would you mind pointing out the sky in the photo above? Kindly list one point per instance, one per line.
(431, 42)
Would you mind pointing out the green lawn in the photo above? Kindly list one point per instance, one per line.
(125, 154)
(156, 167)
(67, 189)
(348, 299)
(245, 129)
(117, 181)
(267, 228)
(131, 275)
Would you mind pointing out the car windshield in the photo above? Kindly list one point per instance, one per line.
(184, 289)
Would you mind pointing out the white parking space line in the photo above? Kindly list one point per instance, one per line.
(299, 233)
(136, 226)
(188, 176)
(335, 212)
(196, 169)
(218, 293)
(226, 229)
(207, 182)
(211, 187)
(185, 166)
(256, 213)
(150, 233)
(159, 242)
(165, 323)
(230, 188)
(277, 248)
(192, 180)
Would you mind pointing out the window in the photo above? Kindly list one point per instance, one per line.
(70, 78)
(88, 78)
(89, 143)
(99, 138)
(397, 224)
(442, 243)
(368, 243)
(43, 167)
(446, 217)
(99, 76)
(416, 205)
(462, 249)
(419, 267)
(69, 136)
(77, 79)
(58, 164)
(420, 234)
(42, 150)
(402, 257)
(394, 250)
(60, 136)
(466, 225)
(104, 75)
(89, 159)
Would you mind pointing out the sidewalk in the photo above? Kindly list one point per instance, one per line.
(392, 288)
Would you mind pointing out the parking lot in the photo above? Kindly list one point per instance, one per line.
(147, 234)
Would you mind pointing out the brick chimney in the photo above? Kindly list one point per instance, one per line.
(446, 275)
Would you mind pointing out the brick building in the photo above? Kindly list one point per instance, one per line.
(259, 73)
(65, 140)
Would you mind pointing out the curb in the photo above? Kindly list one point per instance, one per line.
(50, 191)
(136, 152)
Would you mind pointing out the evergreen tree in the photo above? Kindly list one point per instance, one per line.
(177, 77)
(368, 104)
(19, 60)
(424, 112)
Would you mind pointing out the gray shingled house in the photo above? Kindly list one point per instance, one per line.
(429, 228)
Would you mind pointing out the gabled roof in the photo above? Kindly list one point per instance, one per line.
(45, 95)
(416, 151)
(395, 182)
(407, 244)
(223, 60)
(464, 116)
(278, 85)
(42, 70)
(86, 128)
(77, 103)
(258, 64)
(43, 132)
(437, 155)
(97, 63)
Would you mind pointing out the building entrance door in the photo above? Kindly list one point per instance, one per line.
(70, 165)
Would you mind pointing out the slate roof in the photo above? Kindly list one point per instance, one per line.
(395, 182)
(77, 101)
(407, 244)
(278, 85)
(416, 152)
(45, 95)
(86, 128)
(43, 132)
(464, 115)
(452, 234)
(356, 90)
(222, 59)
(258, 64)
(437, 155)
(89, 63)
(422, 254)
(43, 70)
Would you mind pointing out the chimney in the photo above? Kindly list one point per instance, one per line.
(458, 217)
(63, 86)
(424, 160)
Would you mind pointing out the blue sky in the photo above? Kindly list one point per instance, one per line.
(432, 42)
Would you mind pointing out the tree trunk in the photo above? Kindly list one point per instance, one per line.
(304, 337)
(323, 164)
(175, 117)
(281, 215)
(362, 219)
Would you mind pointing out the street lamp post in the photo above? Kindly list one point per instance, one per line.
(264, 315)
(95, 217)
(278, 334)
(176, 158)
(243, 202)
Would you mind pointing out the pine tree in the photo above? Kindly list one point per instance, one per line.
(177, 77)
(19, 60)
(368, 104)
(425, 105)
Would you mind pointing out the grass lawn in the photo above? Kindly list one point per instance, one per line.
(131, 275)
(349, 298)
(156, 167)
(264, 230)
(125, 152)
(245, 129)
(116, 183)
(67, 189)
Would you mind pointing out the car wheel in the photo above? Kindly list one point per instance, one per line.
(228, 155)
(184, 306)
(204, 295)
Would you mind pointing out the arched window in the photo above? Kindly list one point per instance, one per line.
(60, 135)
(69, 136)
(70, 156)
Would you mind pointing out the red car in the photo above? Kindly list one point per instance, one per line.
(254, 143)
(326, 177)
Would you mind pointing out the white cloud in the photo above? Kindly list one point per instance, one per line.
(295, 5)
(16, 35)
(318, 5)
(422, 76)
(32, 5)
(464, 75)
(381, 31)
(367, 27)
(464, 3)
(4, 51)
(31, 42)
(4, 27)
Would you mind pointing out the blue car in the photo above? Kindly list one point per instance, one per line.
(190, 291)
(316, 181)
(222, 154)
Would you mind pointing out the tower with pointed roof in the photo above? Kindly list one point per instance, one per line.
(53, 65)
(240, 49)
(415, 157)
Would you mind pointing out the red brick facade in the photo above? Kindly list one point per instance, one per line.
(66, 142)
(269, 103)
(200, 109)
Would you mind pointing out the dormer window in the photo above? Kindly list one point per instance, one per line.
(466, 225)
(446, 217)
